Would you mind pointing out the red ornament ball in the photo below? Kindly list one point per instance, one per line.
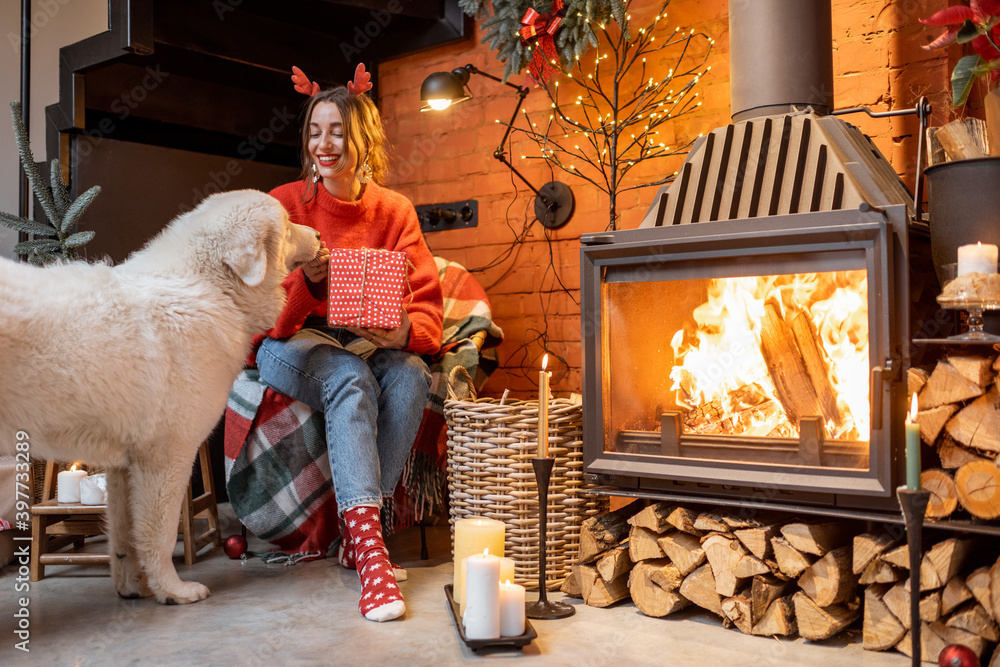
(957, 655)
(236, 545)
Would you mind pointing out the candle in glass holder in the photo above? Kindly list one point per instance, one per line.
(912, 448)
(978, 258)
(543, 409)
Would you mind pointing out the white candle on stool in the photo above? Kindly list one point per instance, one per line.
(978, 258)
(511, 610)
(482, 597)
(68, 485)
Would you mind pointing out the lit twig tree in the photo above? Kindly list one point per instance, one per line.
(611, 127)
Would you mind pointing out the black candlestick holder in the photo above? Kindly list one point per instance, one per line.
(914, 504)
(543, 609)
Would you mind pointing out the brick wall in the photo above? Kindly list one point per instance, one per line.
(443, 157)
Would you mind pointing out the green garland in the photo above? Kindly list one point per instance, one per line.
(501, 19)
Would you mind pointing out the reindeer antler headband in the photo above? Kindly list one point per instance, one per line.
(361, 83)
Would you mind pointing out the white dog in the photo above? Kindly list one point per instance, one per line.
(129, 367)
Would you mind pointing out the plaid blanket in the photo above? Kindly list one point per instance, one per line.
(277, 470)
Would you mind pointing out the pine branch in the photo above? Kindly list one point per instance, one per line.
(42, 191)
(59, 189)
(77, 208)
(79, 239)
(24, 225)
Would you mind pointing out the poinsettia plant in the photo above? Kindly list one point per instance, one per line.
(978, 25)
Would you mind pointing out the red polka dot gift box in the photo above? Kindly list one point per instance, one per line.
(366, 287)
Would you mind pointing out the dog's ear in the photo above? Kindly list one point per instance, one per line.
(249, 263)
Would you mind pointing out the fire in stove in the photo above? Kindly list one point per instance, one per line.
(762, 352)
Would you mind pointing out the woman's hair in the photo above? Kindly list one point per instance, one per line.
(362, 128)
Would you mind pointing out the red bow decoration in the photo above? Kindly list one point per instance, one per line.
(539, 30)
(362, 81)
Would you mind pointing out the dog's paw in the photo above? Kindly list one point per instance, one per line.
(184, 593)
(129, 581)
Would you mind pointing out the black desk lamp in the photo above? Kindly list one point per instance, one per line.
(554, 200)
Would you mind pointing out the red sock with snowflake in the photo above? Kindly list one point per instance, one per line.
(380, 597)
(346, 556)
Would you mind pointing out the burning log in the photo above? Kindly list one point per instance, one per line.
(713, 417)
(802, 393)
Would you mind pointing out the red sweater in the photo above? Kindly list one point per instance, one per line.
(381, 219)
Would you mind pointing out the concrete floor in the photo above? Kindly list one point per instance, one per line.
(307, 614)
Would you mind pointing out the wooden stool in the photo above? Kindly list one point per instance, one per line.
(55, 526)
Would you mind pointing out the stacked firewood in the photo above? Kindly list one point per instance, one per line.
(959, 414)
(771, 576)
(959, 603)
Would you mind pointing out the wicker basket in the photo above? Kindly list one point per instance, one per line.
(490, 447)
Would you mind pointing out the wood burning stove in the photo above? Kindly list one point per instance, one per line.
(758, 356)
(748, 341)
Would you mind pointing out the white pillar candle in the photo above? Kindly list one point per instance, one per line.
(978, 258)
(506, 569)
(482, 597)
(68, 485)
(90, 492)
(511, 609)
(471, 537)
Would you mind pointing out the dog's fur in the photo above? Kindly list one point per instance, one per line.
(129, 367)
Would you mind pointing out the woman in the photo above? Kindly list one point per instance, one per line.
(370, 383)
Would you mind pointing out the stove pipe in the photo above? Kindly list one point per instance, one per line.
(781, 56)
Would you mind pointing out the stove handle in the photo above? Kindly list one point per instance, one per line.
(880, 375)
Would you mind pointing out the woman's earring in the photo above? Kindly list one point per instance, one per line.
(366, 173)
(315, 173)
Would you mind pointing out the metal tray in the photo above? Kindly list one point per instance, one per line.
(479, 644)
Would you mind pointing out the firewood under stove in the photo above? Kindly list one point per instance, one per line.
(774, 576)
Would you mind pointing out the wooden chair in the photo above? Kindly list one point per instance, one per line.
(55, 526)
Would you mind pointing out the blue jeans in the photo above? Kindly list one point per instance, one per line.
(373, 408)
